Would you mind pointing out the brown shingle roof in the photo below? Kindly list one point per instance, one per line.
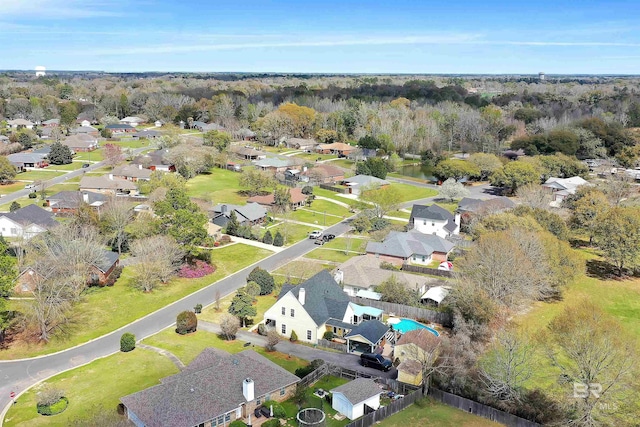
(296, 197)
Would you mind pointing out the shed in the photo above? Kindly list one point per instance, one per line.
(356, 398)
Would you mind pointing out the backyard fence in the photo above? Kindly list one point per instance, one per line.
(332, 345)
(386, 411)
(427, 270)
(418, 313)
(342, 190)
(477, 408)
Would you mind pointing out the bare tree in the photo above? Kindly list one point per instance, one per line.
(217, 301)
(273, 338)
(453, 190)
(159, 258)
(534, 196)
(112, 154)
(117, 215)
(229, 324)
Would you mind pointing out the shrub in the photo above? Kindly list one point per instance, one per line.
(278, 240)
(229, 324)
(388, 266)
(113, 277)
(267, 238)
(54, 408)
(195, 270)
(379, 224)
(304, 371)
(49, 396)
(186, 322)
(307, 189)
(294, 336)
(32, 195)
(272, 340)
(197, 309)
(271, 423)
(237, 423)
(328, 335)
(263, 279)
(252, 289)
(278, 410)
(225, 239)
(262, 330)
(127, 342)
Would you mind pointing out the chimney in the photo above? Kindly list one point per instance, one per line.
(85, 197)
(304, 169)
(139, 165)
(302, 295)
(248, 389)
(111, 176)
(223, 208)
(457, 218)
(338, 276)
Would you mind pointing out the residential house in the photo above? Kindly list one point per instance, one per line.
(51, 123)
(158, 123)
(120, 128)
(133, 173)
(147, 134)
(107, 184)
(86, 130)
(155, 161)
(301, 143)
(18, 124)
(338, 148)
(363, 273)
(206, 127)
(297, 199)
(435, 295)
(482, 207)
(412, 350)
(433, 219)
(132, 121)
(68, 202)
(561, 188)
(102, 269)
(314, 307)
(357, 183)
(323, 173)
(411, 247)
(369, 336)
(29, 160)
(4, 139)
(245, 134)
(362, 154)
(278, 163)
(213, 390)
(350, 399)
(81, 142)
(83, 122)
(26, 222)
(249, 214)
(247, 153)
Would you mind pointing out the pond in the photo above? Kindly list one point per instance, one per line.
(418, 171)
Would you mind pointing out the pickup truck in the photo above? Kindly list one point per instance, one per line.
(315, 234)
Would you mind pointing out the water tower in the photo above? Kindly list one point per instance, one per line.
(41, 71)
(541, 76)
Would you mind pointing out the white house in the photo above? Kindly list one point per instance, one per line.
(434, 219)
(19, 124)
(351, 398)
(26, 222)
(133, 121)
(315, 307)
(359, 183)
(561, 188)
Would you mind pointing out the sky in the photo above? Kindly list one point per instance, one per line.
(323, 36)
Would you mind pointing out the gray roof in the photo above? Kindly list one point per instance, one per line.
(152, 158)
(134, 171)
(73, 199)
(84, 129)
(366, 180)
(32, 214)
(43, 150)
(404, 245)
(365, 272)
(372, 330)
(105, 183)
(358, 390)
(210, 386)
(81, 140)
(51, 122)
(324, 298)
(147, 134)
(277, 162)
(249, 212)
(107, 261)
(26, 157)
(431, 212)
(490, 205)
(119, 126)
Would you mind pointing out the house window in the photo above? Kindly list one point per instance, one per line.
(284, 329)
(259, 401)
(308, 335)
(221, 420)
(423, 258)
(433, 224)
(282, 391)
(284, 311)
(214, 422)
(293, 312)
(14, 231)
(227, 417)
(425, 222)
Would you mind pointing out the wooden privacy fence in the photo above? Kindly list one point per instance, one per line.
(427, 270)
(418, 313)
(332, 345)
(477, 408)
(386, 411)
(342, 190)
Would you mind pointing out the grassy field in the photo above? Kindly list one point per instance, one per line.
(330, 255)
(315, 217)
(343, 243)
(39, 175)
(101, 382)
(70, 167)
(343, 163)
(299, 269)
(399, 214)
(187, 347)
(312, 157)
(326, 383)
(10, 188)
(427, 412)
(130, 143)
(220, 186)
(411, 192)
(262, 304)
(94, 316)
(329, 208)
(295, 232)
(94, 156)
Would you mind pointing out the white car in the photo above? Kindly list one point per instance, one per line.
(29, 186)
(315, 234)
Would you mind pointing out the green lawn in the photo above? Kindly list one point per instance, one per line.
(330, 255)
(39, 175)
(315, 217)
(129, 143)
(10, 188)
(70, 167)
(102, 382)
(351, 244)
(294, 232)
(94, 316)
(410, 192)
(329, 208)
(187, 347)
(428, 412)
(450, 206)
(262, 304)
(312, 157)
(327, 382)
(94, 156)
(399, 214)
(336, 196)
(299, 269)
(343, 163)
(220, 186)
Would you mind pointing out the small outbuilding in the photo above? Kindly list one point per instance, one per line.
(356, 398)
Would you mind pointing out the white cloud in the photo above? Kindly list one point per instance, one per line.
(58, 9)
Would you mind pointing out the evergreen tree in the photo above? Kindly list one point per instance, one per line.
(267, 238)
(233, 225)
(14, 206)
(60, 154)
(242, 307)
(278, 240)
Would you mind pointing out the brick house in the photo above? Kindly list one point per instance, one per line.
(214, 390)
(297, 198)
(81, 142)
(411, 247)
(133, 173)
(120, 128)
(68, 202)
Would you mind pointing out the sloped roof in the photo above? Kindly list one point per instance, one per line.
(246, 151)
(405, 244)
(371, 330)
(250, 211)
(105, 183)
(433, 212)
(495, 204)
(437, 294)
(358, 390)
(210, 386)
(364, 272)
(32, 214)
(51, 122)
(147, 134)
(410, 366)
(325, 169)
(277, 162)
(134, 171)
(296, 197)
(84, 129)
(107, 261)
(302, 142)
(337, 146)
(152, 158)
(73, 199)
(569, 184)
(26, 157)
(81, 140)
(130, 119)
(119, 126)
(20, 122)
(324, 298)
(366, 180)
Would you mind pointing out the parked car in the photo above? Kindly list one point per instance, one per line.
(29, 186)
(320, 241)
(375, 361)
(330, 236)
(315, 234)
(85, 165)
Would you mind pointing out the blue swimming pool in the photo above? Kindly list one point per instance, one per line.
(405, 325)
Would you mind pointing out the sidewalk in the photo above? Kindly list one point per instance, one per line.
(257, 244)
(321, 227)
(343, 204)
